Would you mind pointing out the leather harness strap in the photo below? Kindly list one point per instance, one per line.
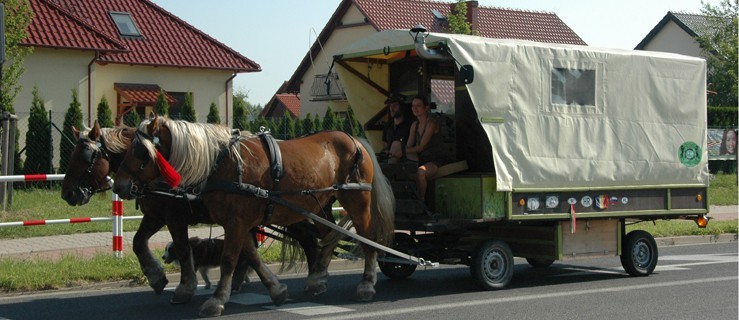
(275, 164)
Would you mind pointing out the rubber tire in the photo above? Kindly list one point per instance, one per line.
(398, 271)
(639, 253)
(493, 267)
(539, 262)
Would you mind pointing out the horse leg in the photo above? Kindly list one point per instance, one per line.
(306, 233)
(238, 241)
(150, 265)
(359, 209)
(242, 268)
(188, 281)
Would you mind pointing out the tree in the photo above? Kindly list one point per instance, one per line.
(73, 118)
(308, 125)
(458, 19)
(239, 117)
(250, 111)
(188, 110)
(18, 16)
(38, 139)
(317, 123)
(288, 126)
(213, 116)
(105, 118)
(329, 120)
(719, 44)
(131, 118)
(162, 106)
(351, 124)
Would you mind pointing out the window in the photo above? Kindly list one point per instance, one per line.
(573, 86)
(125, 24)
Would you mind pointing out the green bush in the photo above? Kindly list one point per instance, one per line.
(722, 117)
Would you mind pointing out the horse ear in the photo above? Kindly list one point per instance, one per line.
(75, 132)
(94, 132)
(153, 127)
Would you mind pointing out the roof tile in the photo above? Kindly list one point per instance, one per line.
(166, 40)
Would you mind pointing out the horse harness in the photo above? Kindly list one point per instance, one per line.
(277, 170)
(91, 155)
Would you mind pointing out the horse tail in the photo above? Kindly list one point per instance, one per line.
(382, 207)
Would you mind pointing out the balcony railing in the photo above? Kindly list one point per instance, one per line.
(327, 87)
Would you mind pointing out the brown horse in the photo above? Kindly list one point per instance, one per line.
(98, 152)
(232, 175)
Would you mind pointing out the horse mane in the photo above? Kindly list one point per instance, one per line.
(195, 147)
(114, 139)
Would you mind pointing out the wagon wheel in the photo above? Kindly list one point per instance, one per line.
(398, 270)
(493, 265)
(639, 253)
(539, 262)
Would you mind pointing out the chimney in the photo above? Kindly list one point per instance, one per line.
(472, 14)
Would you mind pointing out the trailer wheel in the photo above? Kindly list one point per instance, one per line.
(539, 262)
(398, 270)
(639, 253)
(493, 266)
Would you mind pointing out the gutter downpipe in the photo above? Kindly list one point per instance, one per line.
(89, 88)
(226, 85)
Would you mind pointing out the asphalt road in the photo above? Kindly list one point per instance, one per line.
(690, 282)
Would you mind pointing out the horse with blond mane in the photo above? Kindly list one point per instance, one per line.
(238, 179)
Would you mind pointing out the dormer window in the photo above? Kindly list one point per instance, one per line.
(125, 24)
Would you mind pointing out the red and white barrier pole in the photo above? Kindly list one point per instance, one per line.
(32, 177)
(117, 224)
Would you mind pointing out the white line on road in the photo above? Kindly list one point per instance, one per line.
(473, 303)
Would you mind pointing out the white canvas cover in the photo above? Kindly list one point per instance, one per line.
(643, 123)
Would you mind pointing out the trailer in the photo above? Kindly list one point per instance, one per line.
(557, 148)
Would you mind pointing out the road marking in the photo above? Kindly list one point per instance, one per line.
(252, 299)
(534, 297)
(310, 309)
(705, 259)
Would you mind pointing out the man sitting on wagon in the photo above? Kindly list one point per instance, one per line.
(397, 129)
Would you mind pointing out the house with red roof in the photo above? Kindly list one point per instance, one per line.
(126, 51)
(353, 19)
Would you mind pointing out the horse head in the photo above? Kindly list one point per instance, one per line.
(88, 169)
(145, 159)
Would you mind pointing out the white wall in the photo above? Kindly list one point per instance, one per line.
(674, 39)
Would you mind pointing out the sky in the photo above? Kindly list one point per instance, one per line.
(278, 34)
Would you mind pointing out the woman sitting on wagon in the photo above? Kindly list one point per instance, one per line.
(425, 144)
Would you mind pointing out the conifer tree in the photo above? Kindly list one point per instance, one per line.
(188, 110)
(162, 106)
(73, 118)
(289, 125)
(105, 118)
(329, 120)
(239, 118)
(131, 118)
(317, 123)
(213, 116)
(308, 125)
(38, 139)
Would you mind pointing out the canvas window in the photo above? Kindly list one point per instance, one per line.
(573, 86)
(125, 24)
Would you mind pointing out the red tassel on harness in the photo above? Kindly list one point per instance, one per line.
(169, 174)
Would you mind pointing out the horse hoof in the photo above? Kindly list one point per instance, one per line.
(280, 295)
(209, 310)
(158, 286)
(316, 289)
(365, 293)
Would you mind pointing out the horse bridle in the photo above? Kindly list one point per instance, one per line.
(91, 155)
(141, 153)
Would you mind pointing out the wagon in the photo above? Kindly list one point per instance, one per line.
(557, 148)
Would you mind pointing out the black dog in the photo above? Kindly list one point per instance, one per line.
(206, 254)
